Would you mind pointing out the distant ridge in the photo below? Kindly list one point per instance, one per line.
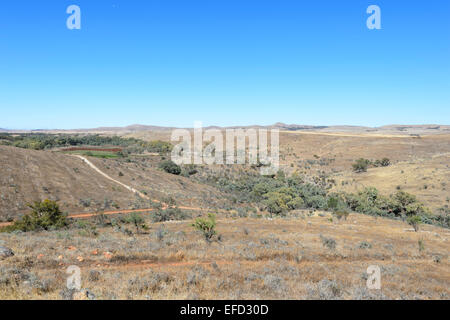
(387, 129)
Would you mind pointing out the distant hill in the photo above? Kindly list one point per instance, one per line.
(387, 129)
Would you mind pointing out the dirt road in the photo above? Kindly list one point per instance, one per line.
(90, 164)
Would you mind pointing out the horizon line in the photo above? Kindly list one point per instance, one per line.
(276, 124)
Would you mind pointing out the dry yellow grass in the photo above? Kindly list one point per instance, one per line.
(283, 258)
(428, 179)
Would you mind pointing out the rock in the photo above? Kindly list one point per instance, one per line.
(90, 295)
(5, 252)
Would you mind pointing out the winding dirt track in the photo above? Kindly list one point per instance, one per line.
(92, 214)
(90, 164)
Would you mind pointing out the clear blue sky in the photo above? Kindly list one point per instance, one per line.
(223, 62)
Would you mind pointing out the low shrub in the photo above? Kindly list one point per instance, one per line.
(168, 214)
(329, 243)
(44, 215)
(207, 226)
(170, 167)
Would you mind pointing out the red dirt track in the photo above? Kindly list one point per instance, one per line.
(92, 149)
(93, 214)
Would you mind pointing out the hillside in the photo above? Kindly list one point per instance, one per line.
(29, 175)
(420, 166)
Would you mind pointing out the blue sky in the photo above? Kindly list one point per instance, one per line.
(223, 62)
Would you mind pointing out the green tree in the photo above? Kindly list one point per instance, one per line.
(405, 204)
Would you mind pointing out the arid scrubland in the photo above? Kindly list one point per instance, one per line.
(309, 232)
(255, 258)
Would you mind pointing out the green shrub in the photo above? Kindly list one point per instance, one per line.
(137, 221)
(361, 165)
(44, 215)
(276, 202)
(405, 204)
(364, 245)
(170, 167)
(382, 163)
(189, 170)
(207, 226)
(316, 202)
(332, 203)
(385, 162)
(296, 203)
(159, 146)
(88, 228)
